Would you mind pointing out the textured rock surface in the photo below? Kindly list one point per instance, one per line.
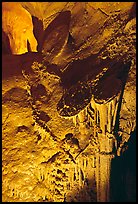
(17, 24)
(48, 157)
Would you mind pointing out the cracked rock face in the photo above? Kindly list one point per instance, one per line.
(68, 101)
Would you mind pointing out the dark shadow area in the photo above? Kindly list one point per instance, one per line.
(5, 44)
(123, 174)
(133, 12)
(12, 65)
(123, 75)
(38, 31)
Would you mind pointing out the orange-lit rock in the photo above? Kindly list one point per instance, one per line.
(17, 24)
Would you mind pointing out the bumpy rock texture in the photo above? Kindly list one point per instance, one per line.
(68, 117)
(17, 24)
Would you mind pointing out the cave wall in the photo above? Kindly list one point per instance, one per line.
(49, 157)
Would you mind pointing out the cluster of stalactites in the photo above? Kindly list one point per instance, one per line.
(101, 116)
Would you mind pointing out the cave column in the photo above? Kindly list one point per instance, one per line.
(106, 147)
(103, 166)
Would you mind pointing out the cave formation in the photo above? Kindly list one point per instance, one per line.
(68, 102)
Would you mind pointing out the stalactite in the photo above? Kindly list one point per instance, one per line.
(109, 125)
(80, 180)
(88, 118)
(89, 121)
(84, 163)
(81, 116)
(116, 109)
(85, 112)
(95, 116)
(75, 120)
(76, 172)
(94, 162)
(72, 176)
(103, 116)
(99, 109)
(107, 115)
(114, 101)
(84, 166)
(82, 170)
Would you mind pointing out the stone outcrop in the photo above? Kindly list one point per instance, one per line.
(17, 24)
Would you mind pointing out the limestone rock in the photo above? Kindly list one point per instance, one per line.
(17, 24)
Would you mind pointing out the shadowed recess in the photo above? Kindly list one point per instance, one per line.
(57, 31)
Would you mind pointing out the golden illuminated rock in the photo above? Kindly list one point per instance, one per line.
(17, 24)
